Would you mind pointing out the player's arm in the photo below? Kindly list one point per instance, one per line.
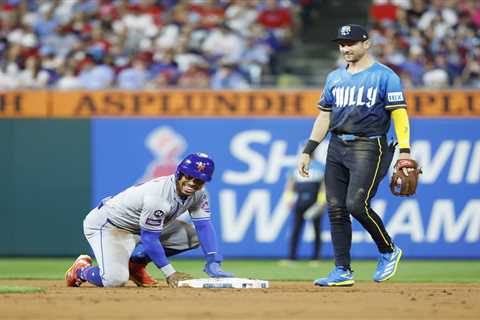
(208, 242)
(406, 174)
(155, 251)
(395, 103)
(405, 177)
(151, 225)
(318, 133)
(402, 131)
(320, 127)
(202, 221)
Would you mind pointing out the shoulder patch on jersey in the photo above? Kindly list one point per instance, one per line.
(154, 223)
(205, 206)
(156, 219)
(395, 96)
(158, 213)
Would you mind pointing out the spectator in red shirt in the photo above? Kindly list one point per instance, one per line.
(383, 12)
(210, 14)
(278, 20)
(275, 17)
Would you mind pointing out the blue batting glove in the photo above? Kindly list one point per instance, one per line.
(213, 268)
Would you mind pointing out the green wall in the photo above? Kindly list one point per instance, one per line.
(44, 186)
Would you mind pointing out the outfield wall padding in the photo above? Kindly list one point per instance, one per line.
(44, 186)
(54, 171)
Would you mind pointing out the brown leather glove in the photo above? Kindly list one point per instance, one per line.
(405, 178)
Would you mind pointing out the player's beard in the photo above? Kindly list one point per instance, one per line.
(352, 57)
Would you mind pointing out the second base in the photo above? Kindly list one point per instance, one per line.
(236, 283)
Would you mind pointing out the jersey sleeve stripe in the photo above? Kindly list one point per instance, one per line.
(396, 106)
(323, 108)
(201, 219)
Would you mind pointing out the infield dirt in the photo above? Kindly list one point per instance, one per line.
(283, 300)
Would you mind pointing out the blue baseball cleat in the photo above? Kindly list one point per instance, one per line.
(387, 265)
(339, 277)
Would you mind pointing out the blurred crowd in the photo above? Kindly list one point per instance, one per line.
(221, 44)
(143, 44)
(434, 44)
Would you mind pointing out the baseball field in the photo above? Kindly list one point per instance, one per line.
(33, 288)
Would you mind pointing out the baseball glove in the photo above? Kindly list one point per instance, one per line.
(405, 178)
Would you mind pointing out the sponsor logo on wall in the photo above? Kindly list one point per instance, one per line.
(445, 220)
(253, 159)
(167, 147)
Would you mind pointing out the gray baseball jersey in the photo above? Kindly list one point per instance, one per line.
(153, 205)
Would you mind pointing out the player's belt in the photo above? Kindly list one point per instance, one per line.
(352, 137)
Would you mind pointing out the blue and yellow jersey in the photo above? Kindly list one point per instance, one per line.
(361, 103)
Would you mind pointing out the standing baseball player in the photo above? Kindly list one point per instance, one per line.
(356, 106)
(309, 204)
(148, 212)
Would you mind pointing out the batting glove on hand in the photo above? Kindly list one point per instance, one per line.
(213, 268)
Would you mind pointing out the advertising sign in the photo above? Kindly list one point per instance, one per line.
(253, 158)
(173, 103)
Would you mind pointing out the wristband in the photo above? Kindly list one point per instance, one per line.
(310, 146)
(167, 270)
(404, 150)
(214, 257)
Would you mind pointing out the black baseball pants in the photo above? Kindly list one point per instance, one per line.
(353, 171)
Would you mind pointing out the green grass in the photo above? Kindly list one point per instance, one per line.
(17, 289)
(408, 270)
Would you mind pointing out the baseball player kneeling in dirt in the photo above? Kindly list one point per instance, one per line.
(148, 212)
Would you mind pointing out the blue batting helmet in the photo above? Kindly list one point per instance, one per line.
(197, 165)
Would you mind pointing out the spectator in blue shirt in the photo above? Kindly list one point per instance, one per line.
(46, 25)
(134, 77)
(227, 77)
(96, 77)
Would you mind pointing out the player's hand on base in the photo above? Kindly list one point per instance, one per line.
(213, 269)
(304, 164)
(173, 279)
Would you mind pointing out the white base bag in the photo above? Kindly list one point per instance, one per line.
(236, 283)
